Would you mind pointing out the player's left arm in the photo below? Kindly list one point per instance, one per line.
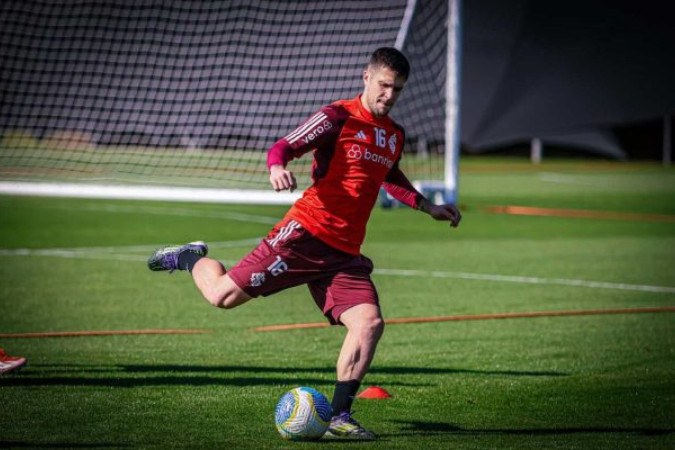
(448, 211)
(399, 187)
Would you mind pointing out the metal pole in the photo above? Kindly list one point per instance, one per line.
(535, 151)
(452, 91)
(667, 141)
(405, 24)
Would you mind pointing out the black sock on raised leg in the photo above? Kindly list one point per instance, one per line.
(187, 260)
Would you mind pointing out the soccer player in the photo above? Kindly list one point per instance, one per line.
(10, 363)
(357, 149)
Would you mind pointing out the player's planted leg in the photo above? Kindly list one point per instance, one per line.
(364, 329)
(344, 426)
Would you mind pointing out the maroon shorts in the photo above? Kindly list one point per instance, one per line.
(291, 256)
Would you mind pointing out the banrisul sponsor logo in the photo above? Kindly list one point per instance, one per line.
(358, 152)
(355, 152)
(379, 159)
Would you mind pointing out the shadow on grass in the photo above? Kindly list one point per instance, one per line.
(24, 444)
(384, 370)
(412, 428)
(234, 375)
(375, 370)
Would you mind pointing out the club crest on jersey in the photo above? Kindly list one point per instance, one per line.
(392, 144)
(257, 279)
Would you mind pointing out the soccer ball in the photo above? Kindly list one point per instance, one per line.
(302, 413)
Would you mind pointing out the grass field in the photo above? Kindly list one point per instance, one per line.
(603, 381)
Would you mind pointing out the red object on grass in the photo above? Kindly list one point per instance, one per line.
(374, 392)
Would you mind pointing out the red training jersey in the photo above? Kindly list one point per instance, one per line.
(355, 154)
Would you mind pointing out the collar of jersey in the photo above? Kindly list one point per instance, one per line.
(367, 114)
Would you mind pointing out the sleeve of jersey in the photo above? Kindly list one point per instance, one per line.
(399, 187)
(314, 132)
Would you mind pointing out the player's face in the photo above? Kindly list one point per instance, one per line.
(382, 86)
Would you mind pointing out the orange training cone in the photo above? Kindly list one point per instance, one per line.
(374, 392)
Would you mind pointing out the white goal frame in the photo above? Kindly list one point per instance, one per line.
(445, 190)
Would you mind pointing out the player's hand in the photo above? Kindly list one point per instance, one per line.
(282, 179)
(447, 212)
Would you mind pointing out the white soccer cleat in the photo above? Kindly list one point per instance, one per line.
(10, 363)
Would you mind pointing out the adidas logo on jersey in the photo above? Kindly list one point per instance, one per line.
(361, 135)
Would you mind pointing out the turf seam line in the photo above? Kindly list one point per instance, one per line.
(491, 316)
(528, 280)
(108, 254)
(579, 213)
(50, 334)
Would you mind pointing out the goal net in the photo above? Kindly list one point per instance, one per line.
(146, 96)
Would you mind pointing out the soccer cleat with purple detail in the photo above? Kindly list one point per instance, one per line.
(344, 426)
(166, 258)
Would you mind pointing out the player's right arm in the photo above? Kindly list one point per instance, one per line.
(317, 132)
(277, 157)
(282, 178)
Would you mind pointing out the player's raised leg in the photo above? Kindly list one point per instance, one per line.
(209, 275)
(216, 286)
(177, 257)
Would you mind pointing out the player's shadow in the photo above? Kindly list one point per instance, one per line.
(419, 428)
(225, 375)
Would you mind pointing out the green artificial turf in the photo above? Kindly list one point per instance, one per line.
(600, 381)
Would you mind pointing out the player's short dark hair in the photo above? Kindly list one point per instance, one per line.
(391, 58)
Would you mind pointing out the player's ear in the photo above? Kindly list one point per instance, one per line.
(366, 76)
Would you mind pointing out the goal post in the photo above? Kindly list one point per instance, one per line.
(452, 102)
(181, 100)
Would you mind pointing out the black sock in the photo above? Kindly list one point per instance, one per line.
(344, 394)
(187, 260)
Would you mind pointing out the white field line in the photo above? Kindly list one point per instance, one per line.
(62, 253)
(122, 253)
(149, 192)
(577, 180)
(125, 254)
(182, 212)
(527, 280)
